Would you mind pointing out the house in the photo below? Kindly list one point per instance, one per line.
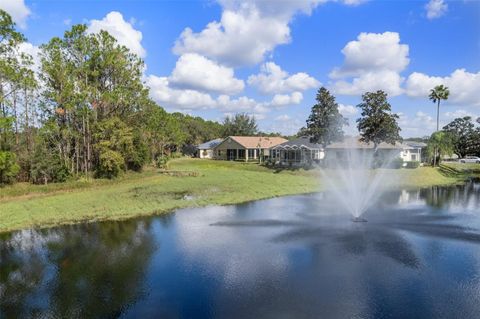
(341, 151)
(414, 153)
(297, 152)
(205, 150)
(246, 148)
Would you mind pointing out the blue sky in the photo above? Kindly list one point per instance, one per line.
(268, 58)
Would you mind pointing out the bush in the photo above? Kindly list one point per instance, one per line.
(162, 162)
(47, 167)
(412, 164)
(269, 162)
(175, 155)
(140, 155)
(8, 167)
(396, 163)
(111, 163)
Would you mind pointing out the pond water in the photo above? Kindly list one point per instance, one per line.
(418, 256)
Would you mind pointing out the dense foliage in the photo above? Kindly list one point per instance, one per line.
(325, 123)
(86, 112)
(440, 144)
(465, 136)
(377, 122)
(239, 124)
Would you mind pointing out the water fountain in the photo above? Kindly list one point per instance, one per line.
(357, 175)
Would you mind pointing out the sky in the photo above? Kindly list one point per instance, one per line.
(268, 58)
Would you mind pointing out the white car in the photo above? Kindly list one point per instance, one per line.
(470, 159)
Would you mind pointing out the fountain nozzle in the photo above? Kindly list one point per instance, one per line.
(359, 220)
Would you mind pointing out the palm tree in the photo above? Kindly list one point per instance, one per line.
(438, 93)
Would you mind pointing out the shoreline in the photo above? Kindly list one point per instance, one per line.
(152, 193)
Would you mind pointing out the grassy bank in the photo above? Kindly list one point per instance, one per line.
(151, 192)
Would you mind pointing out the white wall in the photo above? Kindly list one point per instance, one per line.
(205, 153)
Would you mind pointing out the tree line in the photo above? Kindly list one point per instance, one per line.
(460, 137)
(84, 111)
(377, 123)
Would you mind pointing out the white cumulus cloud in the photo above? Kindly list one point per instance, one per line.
(372, 62)
(373, 52)
(272, 79)
(247, 31)
(463, 86)
(347, 110)
(123, 31)
(34, 52)
(388, 81)
(436, 9)
(421, 124)
(240, 38)
(286, 99)
(283, 118)
(173, 98)
(189, 99)
(18, 10)
(459, 113)
(197, 72)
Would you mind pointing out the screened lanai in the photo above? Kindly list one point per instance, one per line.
(297, 152)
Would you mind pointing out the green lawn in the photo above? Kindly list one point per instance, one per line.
(150, 192)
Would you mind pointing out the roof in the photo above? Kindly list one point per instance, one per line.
(210, 144)
(354, 142)
(416, 144)
(303, 141)
(258, 141)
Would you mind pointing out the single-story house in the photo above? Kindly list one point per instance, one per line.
(246, 147)
(297, 152)
(205, 150)
(339, 151)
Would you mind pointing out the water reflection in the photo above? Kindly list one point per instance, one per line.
(292, 257)
(84, 271)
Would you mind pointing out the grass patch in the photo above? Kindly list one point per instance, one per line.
(199, 183)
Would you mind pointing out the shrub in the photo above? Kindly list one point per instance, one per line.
(140, 155)
(412, 164)
(8, 167)
(269, 162)
(175, 155)
(396, 163)
(162, 162)
(111, 163)
(47, 167)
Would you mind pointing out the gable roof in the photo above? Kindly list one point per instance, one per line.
(210, 144)
(354, 142)
(257, 141)
(303, 141)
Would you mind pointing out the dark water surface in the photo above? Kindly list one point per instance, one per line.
(418, 256)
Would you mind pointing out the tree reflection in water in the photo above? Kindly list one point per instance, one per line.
(298, 257)
(82, 271)
(464, 195)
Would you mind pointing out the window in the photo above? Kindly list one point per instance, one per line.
(414, 157)
(241, 154)
(251, 153)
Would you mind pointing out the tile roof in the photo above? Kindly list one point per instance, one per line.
(258, 141)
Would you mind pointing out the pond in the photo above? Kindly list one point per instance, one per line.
(418, 256)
